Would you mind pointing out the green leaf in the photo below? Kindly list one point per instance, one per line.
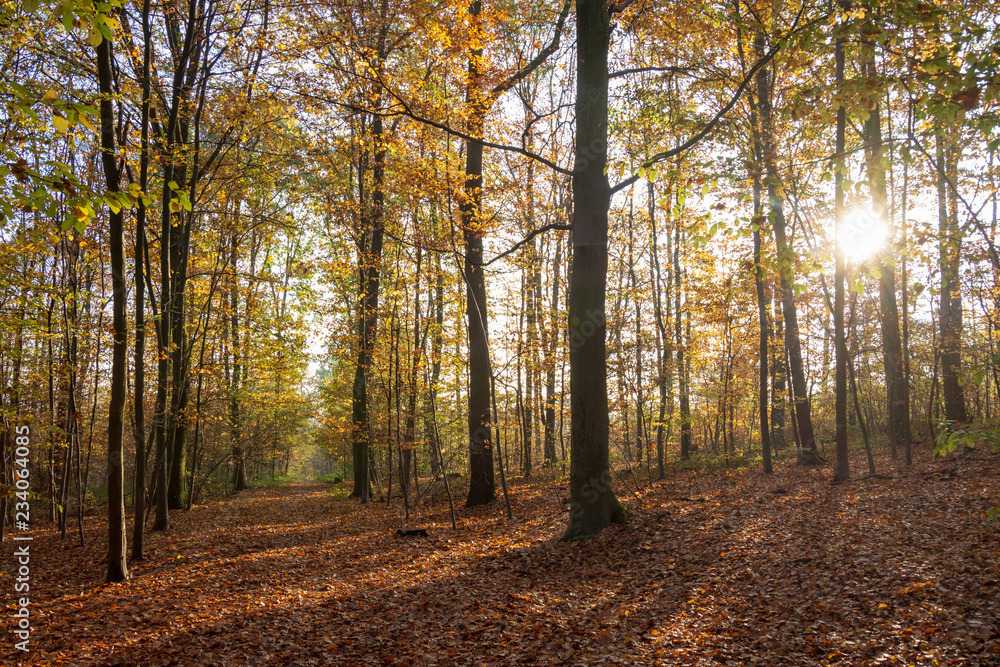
(20, 90)
(105, 29)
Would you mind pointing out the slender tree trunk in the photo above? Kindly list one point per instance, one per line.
(639, 443)
(239, 480)
(663, 346)
(950, 308)
(904, 288)
(852, 379)
(682, 385)
(759, 275)
(409, 436)
(139, 493)
(808, 455)
(437, 343)
(549, 344)
(897, 393)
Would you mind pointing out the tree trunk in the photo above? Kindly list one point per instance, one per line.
(549, 344)
(682, 385)
(807, 454)
(764, 327)
(950, 308)
(117, 547)
(897, 392)
(235, 418)
(482, 487)
(139, 493)
(593, 504)
(661, 333)
(843, 472)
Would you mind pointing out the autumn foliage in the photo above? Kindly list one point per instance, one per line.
(726, 567)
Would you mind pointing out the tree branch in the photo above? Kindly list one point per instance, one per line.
(659, 157)
(525, 240)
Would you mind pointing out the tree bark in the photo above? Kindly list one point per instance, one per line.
(117, 547)
(593, 504)
(807, 453)
(897, 392)
(139, 493)
(843, 472)
(950, 308)
(482, 487)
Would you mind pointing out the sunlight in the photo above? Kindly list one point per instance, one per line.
(861, 234)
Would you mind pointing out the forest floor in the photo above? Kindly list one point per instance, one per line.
(724, 567)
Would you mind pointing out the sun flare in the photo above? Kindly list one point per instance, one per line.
(862, 234)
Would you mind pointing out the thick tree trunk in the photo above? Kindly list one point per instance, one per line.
(369, 259)
(482, 487)
(117, 547)
(593, 504)
(369, 265)
(843, 472)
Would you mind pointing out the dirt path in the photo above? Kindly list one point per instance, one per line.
(715, 568)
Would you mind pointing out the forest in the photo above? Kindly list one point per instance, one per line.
(500, 332)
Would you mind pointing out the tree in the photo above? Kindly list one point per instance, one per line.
(842, 473)
(117, 548)
(593, 504)
(897, 392)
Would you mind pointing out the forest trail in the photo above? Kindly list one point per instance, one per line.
(724, 567)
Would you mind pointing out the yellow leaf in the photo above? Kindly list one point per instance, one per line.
(61, 124)
(50, 95)
(94, 36)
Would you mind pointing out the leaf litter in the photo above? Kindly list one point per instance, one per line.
(729, 567)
